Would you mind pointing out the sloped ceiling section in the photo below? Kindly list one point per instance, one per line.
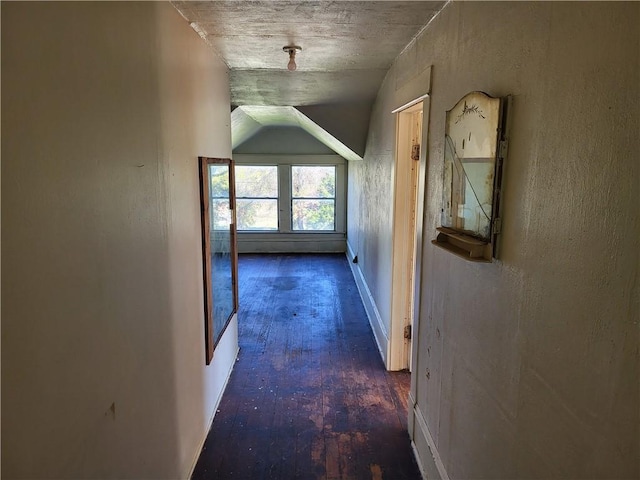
(243, 127)
(248, 120)
(347, 48)
(348, 122)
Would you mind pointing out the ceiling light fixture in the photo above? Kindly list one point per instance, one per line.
(291, 50)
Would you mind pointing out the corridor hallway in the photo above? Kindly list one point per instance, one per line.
(309, 397)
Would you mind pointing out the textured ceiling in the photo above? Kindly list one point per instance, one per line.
(347, 46)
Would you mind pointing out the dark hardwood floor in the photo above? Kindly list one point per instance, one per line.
(309, 397)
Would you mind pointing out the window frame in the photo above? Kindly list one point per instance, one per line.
(292, 198)
(287, 239)
(277, 199)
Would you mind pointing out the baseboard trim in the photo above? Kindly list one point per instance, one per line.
(291, 246)
(429, 461)
(417, 457)
(213, 414)
(379, 332)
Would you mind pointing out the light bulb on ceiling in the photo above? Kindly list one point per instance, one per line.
(291, 66)
(291, 50)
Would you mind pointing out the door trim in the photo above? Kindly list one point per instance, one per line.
(407, 235)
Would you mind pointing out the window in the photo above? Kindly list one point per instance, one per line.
(291, 203)
(257, 197)
(219, 211)
(313, 198)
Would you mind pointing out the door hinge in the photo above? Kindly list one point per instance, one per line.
(407, 332)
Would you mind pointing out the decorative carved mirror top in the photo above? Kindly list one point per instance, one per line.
(471, 175)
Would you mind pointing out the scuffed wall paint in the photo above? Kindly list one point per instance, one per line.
(526, 367)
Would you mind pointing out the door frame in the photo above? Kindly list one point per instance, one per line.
(407, 234)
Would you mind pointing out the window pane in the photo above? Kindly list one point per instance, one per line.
(252, 181)
(257, 214)
(220, 214)
(313, 182)
(219, 186)
(313, 214)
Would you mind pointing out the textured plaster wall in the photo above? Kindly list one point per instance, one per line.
(105, 108)
(370, 194)
(526, 367)
(370, 207)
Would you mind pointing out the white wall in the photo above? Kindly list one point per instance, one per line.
(526, 367)
(105, 109)
(283, 140)
(348, 122)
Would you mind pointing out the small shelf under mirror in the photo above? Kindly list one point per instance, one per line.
(463, 245)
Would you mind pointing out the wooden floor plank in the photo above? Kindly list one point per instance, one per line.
(309, 397)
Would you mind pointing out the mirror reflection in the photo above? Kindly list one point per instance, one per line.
(220, 237)
(219, 254)
(471, 137)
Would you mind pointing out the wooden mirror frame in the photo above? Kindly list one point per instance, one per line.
(493, 114)
(212, 337)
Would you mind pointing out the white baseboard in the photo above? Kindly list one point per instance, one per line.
(424, 448)
(417, 457)
(213, 414)
(379, 332)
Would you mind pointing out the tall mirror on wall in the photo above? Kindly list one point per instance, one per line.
(220, 260)
(474, 150)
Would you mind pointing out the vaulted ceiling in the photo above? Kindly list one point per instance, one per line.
(347, 48)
